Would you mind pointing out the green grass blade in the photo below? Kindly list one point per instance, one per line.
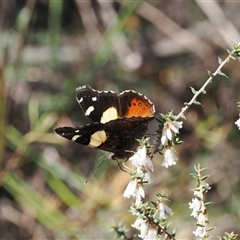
(33, 202)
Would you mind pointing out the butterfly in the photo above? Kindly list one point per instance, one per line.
(116, 121)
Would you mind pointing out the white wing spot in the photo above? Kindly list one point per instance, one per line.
(81, 99)
(77, 131)
(89, 110)
(94, 99)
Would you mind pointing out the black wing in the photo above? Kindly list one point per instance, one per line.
(98, 106)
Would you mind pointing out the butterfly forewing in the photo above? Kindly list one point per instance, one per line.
(92, 135)
(98, 106)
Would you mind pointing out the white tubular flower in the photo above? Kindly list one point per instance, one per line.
(140, 158)
(141, 225)
(238, 122)
(166, 134)
(136, 190)
(151, 234)
(138, 223)
(170, 126)
(139, 194)
(131, 188)
(202, 219)
(198, 206)
(175, 125)
(163, 211)
(170, 158)
(195, 205)
(164, 236)
(200, 232)
(138, 200)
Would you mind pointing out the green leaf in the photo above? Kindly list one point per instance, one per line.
(182, 116)
(219, 60)
(207, 203)
(193, 90)
(232, 57)
(64, 193)
(222, 74)
(14, 137)
(32, 201)
(197, 103)
(210, 73)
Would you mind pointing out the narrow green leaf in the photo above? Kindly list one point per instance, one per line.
(14, 137)
(210, 73)
(197, 103)
(182, 116)
(32, 201)
(219, 60)
(200, 225)
(232, 57)
(222, 74)
(66, 195)
(193, 90)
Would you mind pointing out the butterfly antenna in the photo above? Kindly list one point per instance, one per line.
(96, 169)
(121, 166)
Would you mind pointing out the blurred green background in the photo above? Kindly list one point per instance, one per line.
(159, 48)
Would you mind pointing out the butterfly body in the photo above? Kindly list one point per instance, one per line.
(116, 121)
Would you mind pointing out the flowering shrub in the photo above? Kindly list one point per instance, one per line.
(151, 217)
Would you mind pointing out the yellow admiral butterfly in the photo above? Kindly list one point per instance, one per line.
(116, 120)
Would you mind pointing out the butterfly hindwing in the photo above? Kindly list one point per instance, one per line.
(122, 141)
(134, 104)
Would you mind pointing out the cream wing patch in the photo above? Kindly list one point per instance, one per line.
(75, 137)
(97, 138)
(109, 114)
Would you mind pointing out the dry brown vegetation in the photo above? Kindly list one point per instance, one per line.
(159, 48)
